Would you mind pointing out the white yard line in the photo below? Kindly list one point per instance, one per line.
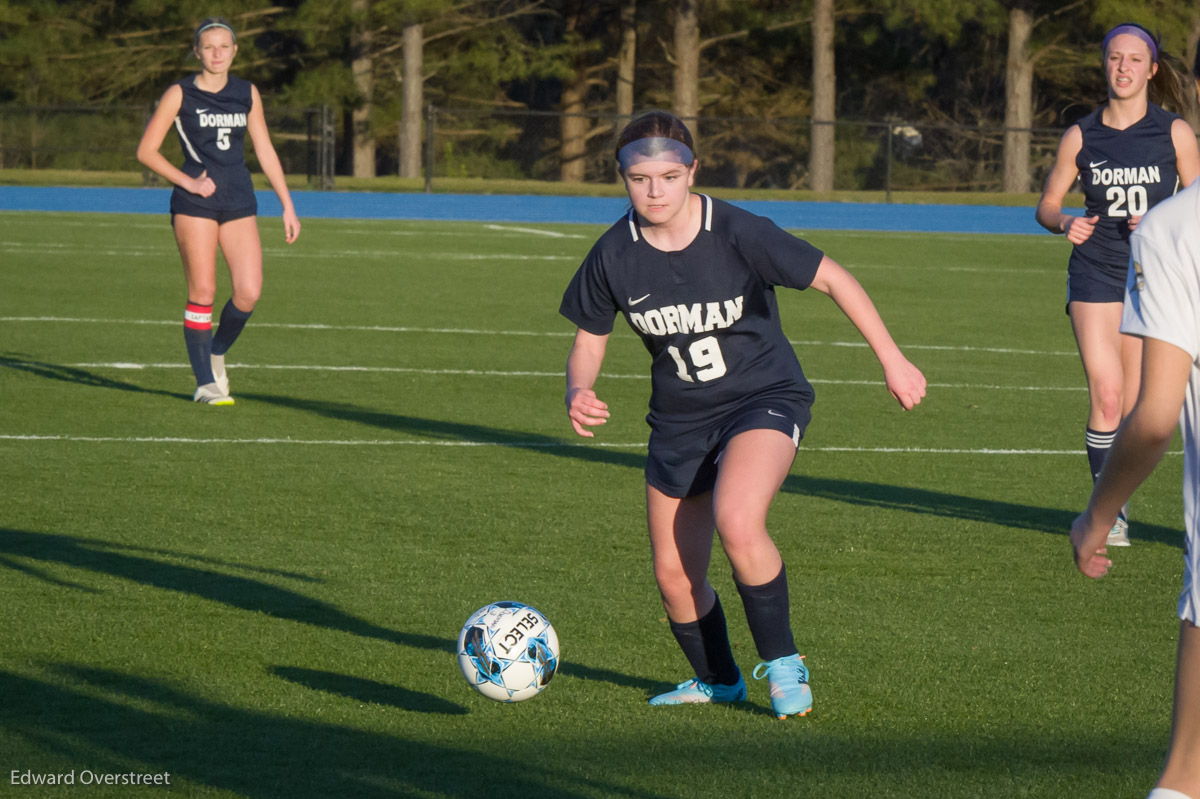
(552, 233)
(481, 332)
(126, 365)
(540, 444)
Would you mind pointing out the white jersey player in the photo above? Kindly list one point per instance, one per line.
(1162, 307)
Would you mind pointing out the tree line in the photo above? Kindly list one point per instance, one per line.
(1017, 65)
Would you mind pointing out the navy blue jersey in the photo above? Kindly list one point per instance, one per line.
(707, 314)
(212, 132)
(1123, 173)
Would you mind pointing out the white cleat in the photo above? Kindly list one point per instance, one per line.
(1118, 536)
(210, 394)
(219, 375)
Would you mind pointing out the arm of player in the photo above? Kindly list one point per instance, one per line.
(1140, 444)
(1187, 152)
(904, 381)
(583, 367)
(1187, 159)
(150, 145)
(1049, 212)
(268, 159)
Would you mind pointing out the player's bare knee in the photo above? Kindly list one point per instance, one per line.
(246, 298)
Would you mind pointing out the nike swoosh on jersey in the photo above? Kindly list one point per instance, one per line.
(776, 413)
(632, 301)
(201, 110)
(1098, 163)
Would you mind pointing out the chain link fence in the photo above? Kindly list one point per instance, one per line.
(106, 138)
(752, 153)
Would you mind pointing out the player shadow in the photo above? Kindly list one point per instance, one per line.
(73, 374)
(854, 492)
(47, 550)
(956, 506)
(367, 691)
(104, 721)
(442, 430)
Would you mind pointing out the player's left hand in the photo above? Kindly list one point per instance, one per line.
(905, 383)
(291, 226)
(1089, 537)
(1133, 223)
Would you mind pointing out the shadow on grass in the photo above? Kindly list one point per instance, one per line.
(72, 374)
(369, 691)
(956, 506)
(853, 492)
(456, 431)
(104, 721)
(878, 495)
(18, 547)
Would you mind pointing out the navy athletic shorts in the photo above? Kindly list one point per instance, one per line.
(1084, 287)
(187, 207)
(684, 464)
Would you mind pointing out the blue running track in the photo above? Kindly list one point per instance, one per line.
(535, 209)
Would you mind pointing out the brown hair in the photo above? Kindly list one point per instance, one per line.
(209, 24)
(651, 125)
(1166, 86)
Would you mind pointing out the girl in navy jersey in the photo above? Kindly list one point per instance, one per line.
(213, 204)
(1128, 155)
(695, 279)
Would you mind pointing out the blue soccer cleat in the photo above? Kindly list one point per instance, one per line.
(790, 694)
(694, 692)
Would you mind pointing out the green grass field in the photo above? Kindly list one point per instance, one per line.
(263, 600)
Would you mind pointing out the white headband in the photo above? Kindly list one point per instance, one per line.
(216, 25)
(654, 149)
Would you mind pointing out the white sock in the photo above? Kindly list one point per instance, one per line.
(1167, 793)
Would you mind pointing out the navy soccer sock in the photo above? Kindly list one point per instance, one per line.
(769, 617)
(705, 643)
(1098, 445)
(233, 319)
(197, 334)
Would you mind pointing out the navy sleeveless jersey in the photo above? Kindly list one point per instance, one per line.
(707, 314)
(212, 132)
(1123, 173)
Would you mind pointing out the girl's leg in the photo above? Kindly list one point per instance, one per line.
(243, 252)
(1131, 368)
(1112, 363)
(753, 466)
(1096, 326)
(681, 534)
(1182, 770)
(197, 241)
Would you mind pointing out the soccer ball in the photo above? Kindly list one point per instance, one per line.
(508, 651)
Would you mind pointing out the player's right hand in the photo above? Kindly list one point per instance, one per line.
(203, 185)
(1079, 228)
(585, 410)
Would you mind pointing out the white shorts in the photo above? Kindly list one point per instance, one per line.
(1189, 597)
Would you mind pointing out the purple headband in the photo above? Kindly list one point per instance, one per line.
(1132, 30)
(658, 148)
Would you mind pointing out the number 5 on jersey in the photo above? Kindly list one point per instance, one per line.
(223, 138)
(705, 354)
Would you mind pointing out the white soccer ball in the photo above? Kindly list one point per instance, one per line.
(508, 651)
